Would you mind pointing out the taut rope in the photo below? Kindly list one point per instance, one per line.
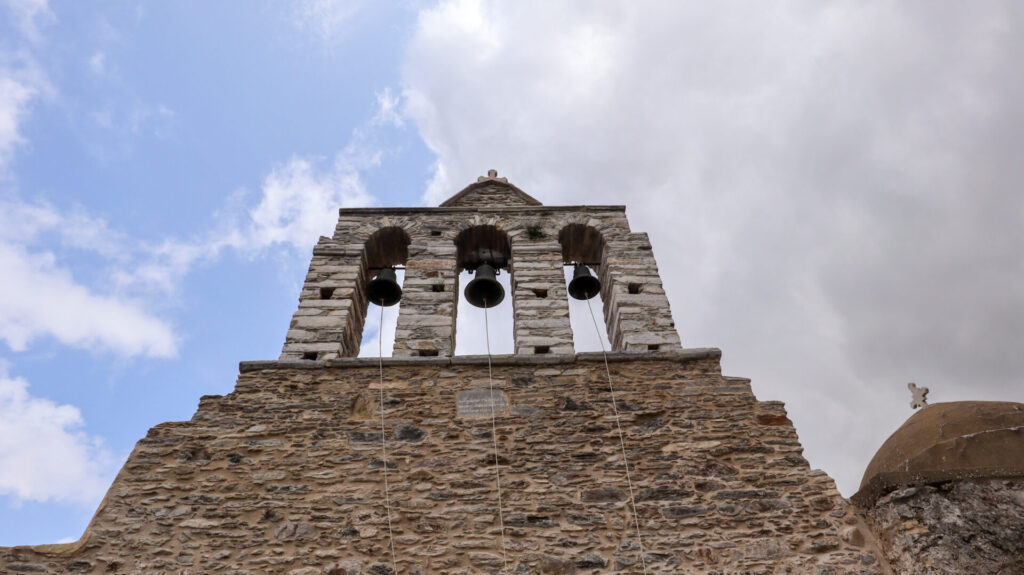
(622, 440)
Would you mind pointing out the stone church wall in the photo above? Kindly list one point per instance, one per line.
(284, 475)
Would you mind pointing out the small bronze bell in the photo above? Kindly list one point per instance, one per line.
(484, 290)
(384, 289)
(583, 285)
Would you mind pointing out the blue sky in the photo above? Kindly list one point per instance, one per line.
(151, 132)
(832, 193)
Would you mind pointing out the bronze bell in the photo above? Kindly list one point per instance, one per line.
(384, 289)
(484, 290)
(583, 285)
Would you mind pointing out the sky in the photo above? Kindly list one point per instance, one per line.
(833, 192)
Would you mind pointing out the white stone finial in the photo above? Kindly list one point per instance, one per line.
(919, 395)
(492, 174)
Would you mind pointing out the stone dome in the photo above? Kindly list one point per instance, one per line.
(948, 441)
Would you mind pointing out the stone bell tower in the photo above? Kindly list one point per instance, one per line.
(490, 216)
(642, 460)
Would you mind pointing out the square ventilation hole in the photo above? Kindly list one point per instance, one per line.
(542, 349)
(437, 288)
(427, 353)
(326, 293)
(435, 233)
(635, 288)
(309, 356)
(653, 346)
(541, 293)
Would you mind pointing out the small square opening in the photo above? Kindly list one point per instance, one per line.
(437, 288)
(309, 356)
(427, 353)
(541, 293)
(542, 349)
(326, 292)
(653, 346)
(435, 233)
(635, 288)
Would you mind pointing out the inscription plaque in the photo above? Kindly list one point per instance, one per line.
(479, 402)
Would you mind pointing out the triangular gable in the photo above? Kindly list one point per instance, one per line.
(490, 190)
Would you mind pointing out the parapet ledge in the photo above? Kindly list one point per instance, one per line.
(682, 356)
(474, 209)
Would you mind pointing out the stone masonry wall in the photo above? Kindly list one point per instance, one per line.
(541, 309)
(636, 307)
(953, 528)
(492, 193)
(332, 305)
(284, 475)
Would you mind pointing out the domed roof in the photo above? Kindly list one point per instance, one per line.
(947, 441)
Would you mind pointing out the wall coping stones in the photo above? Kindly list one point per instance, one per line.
(682, 356)
(476, 209)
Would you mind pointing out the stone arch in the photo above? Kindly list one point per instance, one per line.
(359, 232)
(478, 244)
(386, 246)
(585, 244)
(484, 241)
(581, 243)
(609, 229)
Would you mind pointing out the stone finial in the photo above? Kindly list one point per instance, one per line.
(919, 395)
(492, 175)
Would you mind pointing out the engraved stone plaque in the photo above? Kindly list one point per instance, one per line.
(479, 402)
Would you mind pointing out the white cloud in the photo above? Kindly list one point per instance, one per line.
(30, 15)
(39, 298)
(298, 203)
(44, 455)
(388, 109)
(21, 80)
(328, 20)
(14, 100)
(26, 223)
(831, 189)
(98, 63)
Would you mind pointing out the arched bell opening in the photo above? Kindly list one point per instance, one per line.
(586, 279)
(380, 281)
(483, 258)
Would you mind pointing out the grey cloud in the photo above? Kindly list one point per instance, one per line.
(833, 190)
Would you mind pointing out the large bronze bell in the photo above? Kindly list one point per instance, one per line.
(384, 289)
(583, 285)
(484, 290)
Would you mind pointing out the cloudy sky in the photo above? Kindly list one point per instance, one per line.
(833, 191)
